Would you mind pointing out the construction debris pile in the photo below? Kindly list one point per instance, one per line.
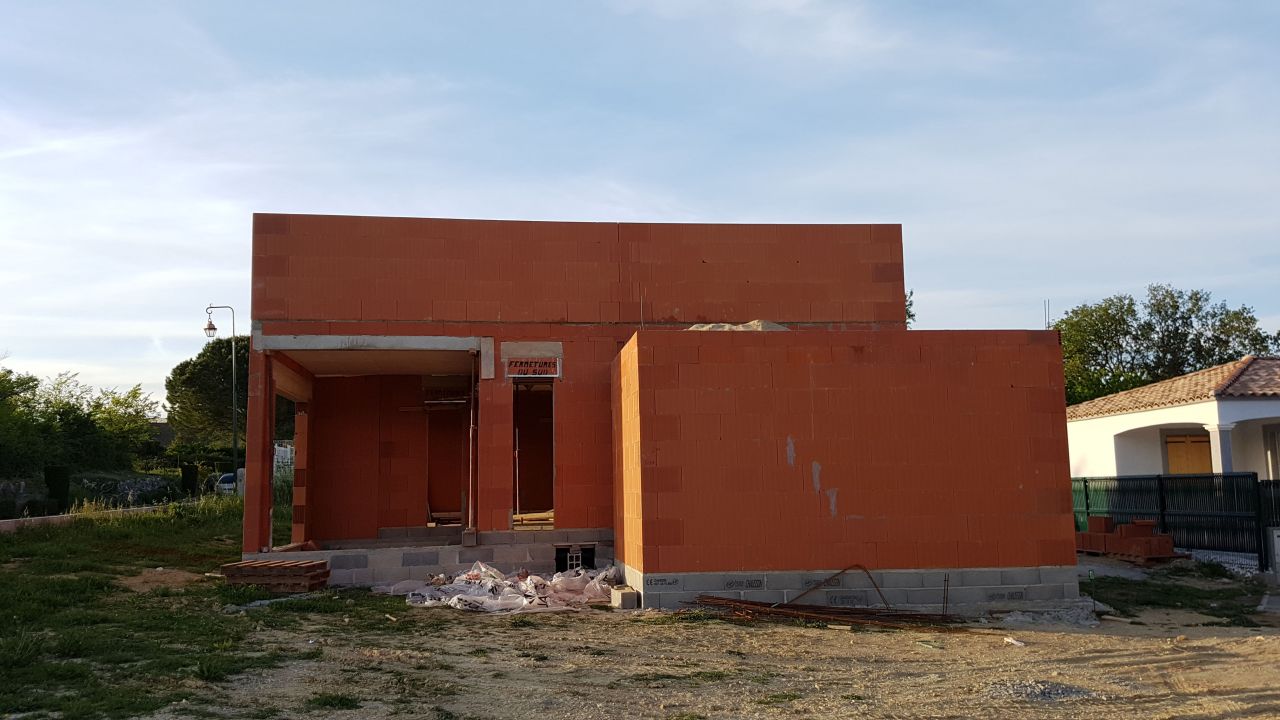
(884, 617)
(485, 589)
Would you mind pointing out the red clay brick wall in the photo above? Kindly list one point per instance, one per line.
(810, 450)
(368, 459)
(577, 283)
(318, 267)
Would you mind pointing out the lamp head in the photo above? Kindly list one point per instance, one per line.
(210, 330)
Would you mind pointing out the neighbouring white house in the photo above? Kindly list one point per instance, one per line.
(1221, 419)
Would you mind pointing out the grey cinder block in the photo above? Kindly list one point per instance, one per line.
(1020, 576)
(900, 579)
(663, 583)
(976, 578)
(419, 557)
(470, 555)
(925, 596)
(382, 575)
(765, 596)
(362, 577)
(847, 598)
(349, 561)
(1045, 592)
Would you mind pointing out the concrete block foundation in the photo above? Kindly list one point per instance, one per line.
(508, 551)
(966, 591)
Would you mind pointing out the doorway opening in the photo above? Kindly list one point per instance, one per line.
(533, 500)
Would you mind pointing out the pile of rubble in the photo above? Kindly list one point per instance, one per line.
(485, 589)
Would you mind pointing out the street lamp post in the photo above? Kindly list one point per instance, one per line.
(211, 331)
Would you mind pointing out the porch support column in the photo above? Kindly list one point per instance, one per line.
(494, 450)
(259, 454)
(1220, 446)
(301, 463)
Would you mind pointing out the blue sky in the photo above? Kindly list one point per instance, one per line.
(1032, 150)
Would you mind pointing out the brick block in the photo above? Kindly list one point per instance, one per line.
(420, 557)
(508, 558)
(1136, 529)
(974, 578)
(1054, 591)
(765, 596)
(967, 595)
(925, 596)
(1100, 524)
(1020, 576)
(349, 561)
(472, 554)
(624, 598)
(389, 575)
(851, 598)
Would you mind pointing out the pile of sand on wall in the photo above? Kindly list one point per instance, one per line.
(753, 326)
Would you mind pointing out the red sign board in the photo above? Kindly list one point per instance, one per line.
(533, 367)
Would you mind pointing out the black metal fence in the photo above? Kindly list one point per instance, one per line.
(1225, 511)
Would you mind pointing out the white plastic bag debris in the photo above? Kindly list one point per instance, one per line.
(404, 587)
(483, 588)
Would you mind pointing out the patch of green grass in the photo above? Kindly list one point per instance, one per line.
(76, 644)
(332, 701)
(20, 650)
(1233, 602)
(682, 616)
(522, 621)
(242, 594)
(1206, 569)
(778, 698)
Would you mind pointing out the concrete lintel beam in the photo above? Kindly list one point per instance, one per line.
(369, 342)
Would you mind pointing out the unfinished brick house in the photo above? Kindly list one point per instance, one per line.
(530, 394)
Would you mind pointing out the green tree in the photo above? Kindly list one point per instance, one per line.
(125, 418)
(198, 396)
(198, 393)
(19, 437)
(1117, 344)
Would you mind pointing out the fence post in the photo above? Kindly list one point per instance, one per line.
(1160, 494)
(1259, 515)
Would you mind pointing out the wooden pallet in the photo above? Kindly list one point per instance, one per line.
(279, 575)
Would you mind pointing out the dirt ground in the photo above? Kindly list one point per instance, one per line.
(160, 578)
(595, 664)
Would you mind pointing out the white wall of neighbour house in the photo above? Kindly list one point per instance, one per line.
(1247, 454)
(1129, 444)
(1248, 451)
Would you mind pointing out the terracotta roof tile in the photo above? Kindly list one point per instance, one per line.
(1260, 379)
(1247, 377)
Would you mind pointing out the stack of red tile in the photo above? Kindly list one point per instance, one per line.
(1136, 541)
